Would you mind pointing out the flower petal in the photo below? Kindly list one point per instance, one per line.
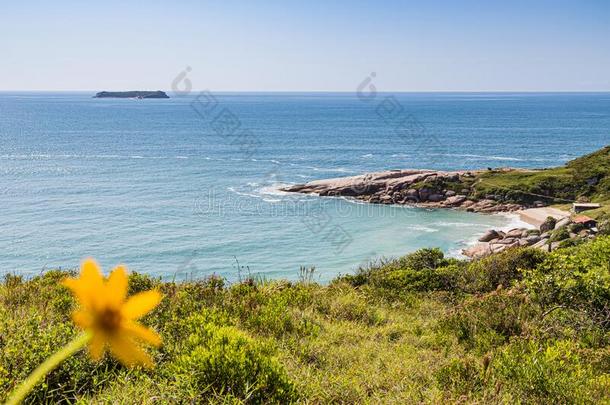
(83, 319)
(96, 346)
(88, 285)
(144, 334)
(90, 273)
(128, 352)
(140, 304)
(79, 290)
(116, 287)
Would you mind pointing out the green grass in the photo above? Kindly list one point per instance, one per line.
(586, 177)
(522, 326)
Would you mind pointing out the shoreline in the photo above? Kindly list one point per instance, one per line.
(414, 187)
(454, 190)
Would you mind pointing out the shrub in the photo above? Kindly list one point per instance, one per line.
(559, 235)
(553, 372)
(36, 340)
(604, 227)
(577, 277)
(488, 321)
(423, 259)
(548, 224)
(223, 361)
(464, 376)
(486, 274)
(141, 282)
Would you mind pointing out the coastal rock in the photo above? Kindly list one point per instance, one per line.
(489, 235)
(514, 233)
(532, 239)
(455, 200)
(477, 251)
(422, 188)
(507, 241)
(541, 244)
(562, 223)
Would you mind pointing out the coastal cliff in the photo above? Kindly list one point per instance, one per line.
(131, 94)
(423, 188)
(489, 191)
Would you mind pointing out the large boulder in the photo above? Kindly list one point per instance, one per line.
(562, 223)
(424, 193)
(514, 233)
(436, 197)
(476, 251)
(532, 239)
(489, 235)
(455, 200)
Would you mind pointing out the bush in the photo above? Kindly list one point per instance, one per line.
(222, 361)
(559, 235)
(140, 282)
(548, 224)
(423, 259)
(464, 376)
(577, 277)
(36, 340)
(554, 372)
(485, 322)
(501, 269)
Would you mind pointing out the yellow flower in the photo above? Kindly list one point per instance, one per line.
(110, 318)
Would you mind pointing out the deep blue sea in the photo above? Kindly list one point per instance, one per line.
(188, 186)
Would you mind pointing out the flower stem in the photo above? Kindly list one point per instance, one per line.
(49, 364)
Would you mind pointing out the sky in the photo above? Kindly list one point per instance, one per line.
(313, 45)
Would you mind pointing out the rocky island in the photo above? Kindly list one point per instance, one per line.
(131, 94)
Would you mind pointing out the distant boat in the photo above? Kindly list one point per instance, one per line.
(131, 94)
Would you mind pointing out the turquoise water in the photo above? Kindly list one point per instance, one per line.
(171, 191)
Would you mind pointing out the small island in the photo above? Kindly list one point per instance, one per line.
(131, 94)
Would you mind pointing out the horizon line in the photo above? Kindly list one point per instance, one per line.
(317, 91)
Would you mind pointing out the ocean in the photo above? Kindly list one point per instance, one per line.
(189, 186)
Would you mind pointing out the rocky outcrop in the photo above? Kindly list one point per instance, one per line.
(565, 232)
(131, 94)
(423, 188)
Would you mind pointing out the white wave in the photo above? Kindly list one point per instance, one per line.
(421, 228)
(274, 189)
(367, 156)
(457, 224)
(492, 157)
(244, 194)
(514, 221)
(337, 170)
(277, 162)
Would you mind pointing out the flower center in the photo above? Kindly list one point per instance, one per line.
(109, 319)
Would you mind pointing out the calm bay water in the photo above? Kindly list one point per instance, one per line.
(155, 185)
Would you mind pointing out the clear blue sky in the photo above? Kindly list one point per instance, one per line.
(306, 45)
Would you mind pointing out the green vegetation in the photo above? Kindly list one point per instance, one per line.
(586, 179)
(522, 326)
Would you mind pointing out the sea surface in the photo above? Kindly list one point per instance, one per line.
(188, 186)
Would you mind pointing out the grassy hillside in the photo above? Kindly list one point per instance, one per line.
(522, 326)
(585, 178)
